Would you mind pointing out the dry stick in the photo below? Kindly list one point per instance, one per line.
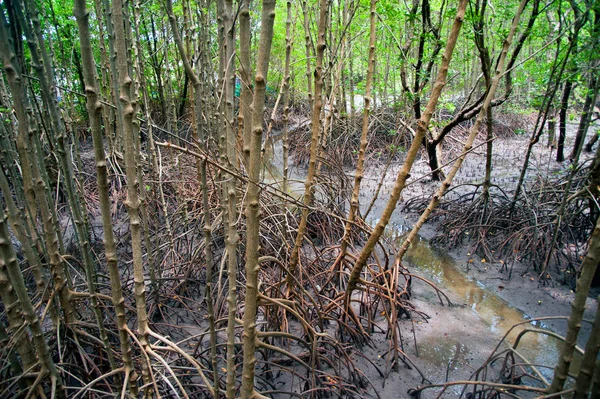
(84, 389)
(403, 175)
(544, 332)
(452, 160)
(94, 109)
(176, 349)
(43, 67)
(133, 201)
(204, 186)
(316, 127)
(500, 387)
(363, 137)
(274, 113)
(435, 200)
(379, 185)
(253, 202)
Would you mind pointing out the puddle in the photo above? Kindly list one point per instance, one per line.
(495, 312)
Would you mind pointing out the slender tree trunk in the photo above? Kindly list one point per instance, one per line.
(8, 258)
(472, 134)
(487, 180)
(95, 109)
(581, 131)
(468, 112)
(245, 79)
(114, 88)
(588, 109)
(16, 219)
(108, 114)
(314, 144)
(486, 66)
(286, 103)
(591, 95)
(197, 84)
(422, 126)
(596, 383)
(12, 357)
(16, 324)
(553, 85)
(584, 124)
(133, 184)
(359, 174)
(308, 52)
(588, 268)
(253, 201)
(43, 67)
(590, 144)
(584, 379)
(229, 191)
(35, 186)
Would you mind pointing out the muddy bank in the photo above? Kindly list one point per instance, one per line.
(457, 339)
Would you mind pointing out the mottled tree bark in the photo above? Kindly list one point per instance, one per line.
(253, 202)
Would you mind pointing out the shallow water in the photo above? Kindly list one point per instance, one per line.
(496, 313)
(272, 170)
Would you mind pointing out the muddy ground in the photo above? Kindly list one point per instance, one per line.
(457, 339)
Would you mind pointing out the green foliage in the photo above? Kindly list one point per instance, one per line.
(448, 106)
(396, 148)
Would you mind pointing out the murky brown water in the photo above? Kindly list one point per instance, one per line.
(492, 310)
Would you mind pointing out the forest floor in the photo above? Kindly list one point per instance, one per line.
(456, 340)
